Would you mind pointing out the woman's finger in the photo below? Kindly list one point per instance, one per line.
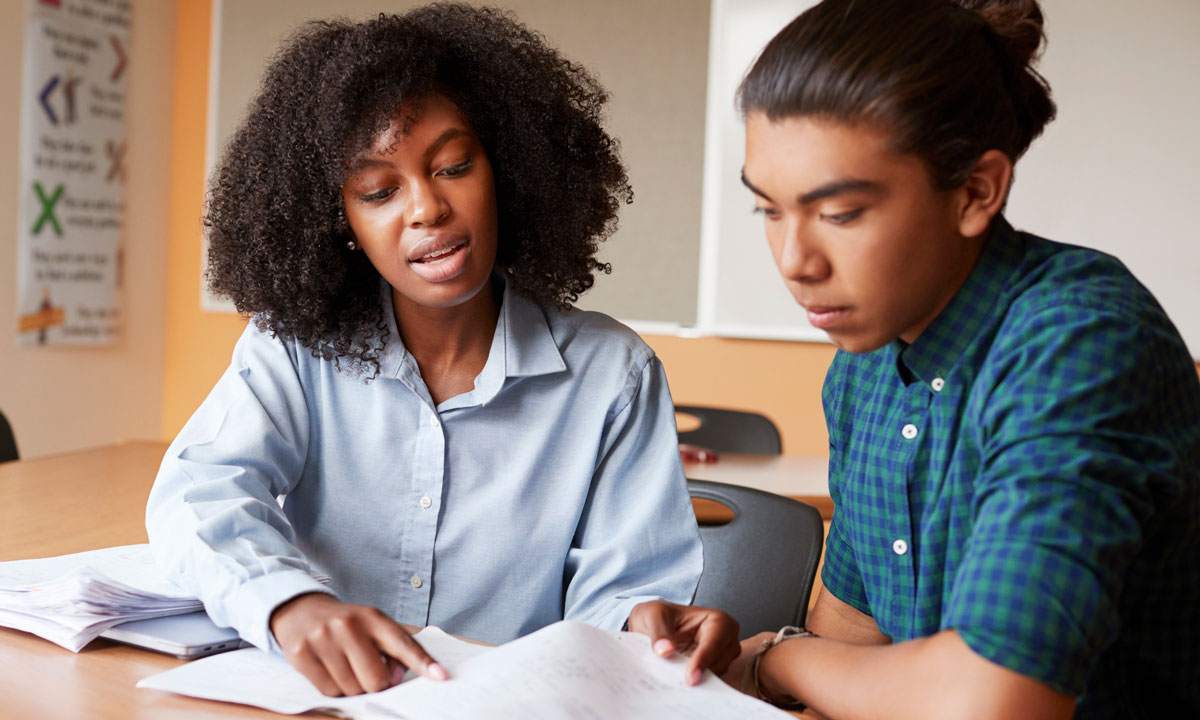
(395, 642)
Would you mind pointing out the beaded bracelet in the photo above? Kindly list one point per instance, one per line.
(751, 672)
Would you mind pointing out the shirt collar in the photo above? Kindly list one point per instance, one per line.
(522, 346)
(972, 312)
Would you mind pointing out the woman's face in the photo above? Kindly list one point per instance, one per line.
(422, 206)
(863, 240)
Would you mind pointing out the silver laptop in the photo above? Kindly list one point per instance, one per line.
(188, 636)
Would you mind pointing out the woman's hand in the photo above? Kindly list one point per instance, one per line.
(710, 634)
(346, 649)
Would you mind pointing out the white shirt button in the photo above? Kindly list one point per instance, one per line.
(909, 431)
(433, 421)
(416, 579)
(426, 502)
(937, 384)
(899, 547)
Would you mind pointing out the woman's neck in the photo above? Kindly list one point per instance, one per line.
(450, 345)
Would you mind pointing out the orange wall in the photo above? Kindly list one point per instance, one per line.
(198, 344)
(779, 379)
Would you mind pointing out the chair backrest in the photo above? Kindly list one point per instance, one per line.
(759, 567)
(8, 442)
(734, 431)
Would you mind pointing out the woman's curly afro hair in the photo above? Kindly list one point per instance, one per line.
(276, 228)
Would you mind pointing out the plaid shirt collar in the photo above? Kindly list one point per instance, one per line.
(975, 310)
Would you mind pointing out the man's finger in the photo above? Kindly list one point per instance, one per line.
(396, 643)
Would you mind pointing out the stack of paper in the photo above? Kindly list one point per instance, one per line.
(71, 599)
(566, 670)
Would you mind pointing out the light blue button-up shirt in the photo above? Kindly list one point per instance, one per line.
(551, 490)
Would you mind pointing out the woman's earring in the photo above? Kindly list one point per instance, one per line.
(351, 246)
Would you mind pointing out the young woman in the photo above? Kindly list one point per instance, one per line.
(1014, 423)
(408, 210)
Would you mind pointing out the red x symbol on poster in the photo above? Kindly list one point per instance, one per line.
(116, 160)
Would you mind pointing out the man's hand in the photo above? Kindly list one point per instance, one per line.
(711, 635)
(346, 649)
(736, 673)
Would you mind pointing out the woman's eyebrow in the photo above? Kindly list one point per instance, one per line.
(444, 138)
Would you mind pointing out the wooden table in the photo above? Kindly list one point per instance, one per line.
(69, 503)
(96, 498)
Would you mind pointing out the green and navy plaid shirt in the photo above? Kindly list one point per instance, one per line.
(1027, 473)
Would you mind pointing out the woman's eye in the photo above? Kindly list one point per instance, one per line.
(377, 196)
(768, 213)
(455, 170)
(842, 218)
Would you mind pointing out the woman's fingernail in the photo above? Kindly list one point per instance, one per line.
(664, 647)
(437, 672)
(693, 677)
(397, 674)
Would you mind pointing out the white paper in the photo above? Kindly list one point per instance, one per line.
(253, 677)
(565, 670)
(71, 599)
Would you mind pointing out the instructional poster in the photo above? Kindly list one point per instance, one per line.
(71, 207)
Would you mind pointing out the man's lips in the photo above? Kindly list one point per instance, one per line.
(823, 317)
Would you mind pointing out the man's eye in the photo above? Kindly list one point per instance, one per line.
(377, 196)
(768, 213)
(842, 218)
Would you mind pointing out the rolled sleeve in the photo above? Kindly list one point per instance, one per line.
(213, 519)
(1074, 465)
(637, 539)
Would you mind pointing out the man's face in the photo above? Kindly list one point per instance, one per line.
(863, 240)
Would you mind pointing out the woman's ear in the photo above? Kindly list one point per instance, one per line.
(984, 193)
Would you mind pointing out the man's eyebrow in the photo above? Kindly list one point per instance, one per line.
(837, 187)
(840, 187)
(753, 189)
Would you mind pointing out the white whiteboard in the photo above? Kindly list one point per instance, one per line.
(1115, 171)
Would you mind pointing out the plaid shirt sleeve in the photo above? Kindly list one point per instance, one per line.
(839, 573)
(1073, 412)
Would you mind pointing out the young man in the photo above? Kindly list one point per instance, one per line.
(1014, 423)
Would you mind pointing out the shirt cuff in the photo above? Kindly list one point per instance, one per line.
(254, 601)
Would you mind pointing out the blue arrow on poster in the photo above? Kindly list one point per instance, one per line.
(44, 96)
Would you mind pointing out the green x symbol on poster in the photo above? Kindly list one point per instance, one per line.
(48, 204)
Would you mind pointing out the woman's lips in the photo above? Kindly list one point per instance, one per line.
(824, 318)
(444, 261)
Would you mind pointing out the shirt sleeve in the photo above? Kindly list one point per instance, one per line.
(637, 538)
(1075, 462)
(839, 570)
(213, 519)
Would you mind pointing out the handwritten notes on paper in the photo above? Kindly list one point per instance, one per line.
(565, 670)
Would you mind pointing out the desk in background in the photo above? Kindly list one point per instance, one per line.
(801, 478)
(97, 498)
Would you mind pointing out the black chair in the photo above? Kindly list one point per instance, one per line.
(732, 431)
(8, 442)
(759, 567)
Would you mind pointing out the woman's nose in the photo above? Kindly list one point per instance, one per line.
(427, 205)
